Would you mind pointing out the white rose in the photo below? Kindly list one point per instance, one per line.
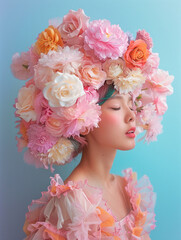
(64, 90)
(25, 103)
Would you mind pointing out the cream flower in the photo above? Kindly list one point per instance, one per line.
(61, 152)
(114, 68)
(64, 90)
(25, 103)
(134, 79)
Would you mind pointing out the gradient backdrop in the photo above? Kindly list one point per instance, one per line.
(21, 21)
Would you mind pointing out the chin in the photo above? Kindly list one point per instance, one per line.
(127, 147)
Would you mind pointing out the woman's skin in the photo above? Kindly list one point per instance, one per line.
(117, 118)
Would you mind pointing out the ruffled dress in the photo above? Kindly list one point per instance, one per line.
(77, 210)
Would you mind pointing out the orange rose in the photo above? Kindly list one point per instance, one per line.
(48, 40)
(136, 54)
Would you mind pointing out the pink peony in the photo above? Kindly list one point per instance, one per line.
(67, 60)
(147, 113)
(104, 40)
(39, 140)
(155, 128)
(161, 82)
(42, 76)
(39, 160)
(151, 64)
(91, 95)
(20, 66)
(82, 116)
(145, 36)
(72, 27)
(34, 56)
(161, 105)
(42, 108)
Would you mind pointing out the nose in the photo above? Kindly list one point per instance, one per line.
(130, 115)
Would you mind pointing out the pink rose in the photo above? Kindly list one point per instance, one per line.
(72, 27)
(54, 125)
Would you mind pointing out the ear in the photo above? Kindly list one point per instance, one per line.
(85, 132)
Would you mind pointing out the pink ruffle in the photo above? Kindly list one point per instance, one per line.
(72, 211)
(143, 190)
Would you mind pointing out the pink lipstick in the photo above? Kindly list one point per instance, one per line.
(131, 132)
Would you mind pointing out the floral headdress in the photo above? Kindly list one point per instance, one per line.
(66, 66)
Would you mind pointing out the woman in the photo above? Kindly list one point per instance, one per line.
(117, 119)
(93, 89)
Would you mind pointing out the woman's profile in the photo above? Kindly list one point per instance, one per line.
(92, 89)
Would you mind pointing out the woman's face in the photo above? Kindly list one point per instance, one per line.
(117, 119)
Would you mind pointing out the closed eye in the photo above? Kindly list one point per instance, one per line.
(116, 108)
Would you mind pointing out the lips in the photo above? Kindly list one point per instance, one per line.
(131, 132)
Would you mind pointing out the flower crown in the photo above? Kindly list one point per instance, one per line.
(66, 66)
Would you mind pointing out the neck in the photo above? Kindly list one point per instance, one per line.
(96, 163)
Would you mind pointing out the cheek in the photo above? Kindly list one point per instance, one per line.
(110, 120)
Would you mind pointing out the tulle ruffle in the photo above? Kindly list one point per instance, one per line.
(142, 217)
(77, 210)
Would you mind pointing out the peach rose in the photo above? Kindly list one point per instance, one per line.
(48, 40)
(54, 125)
(93, 75)
(136, 54)
(24, 105)
(114, 68)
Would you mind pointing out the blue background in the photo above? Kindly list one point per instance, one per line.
(21, 21)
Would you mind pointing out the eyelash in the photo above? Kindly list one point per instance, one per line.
(120, 108)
